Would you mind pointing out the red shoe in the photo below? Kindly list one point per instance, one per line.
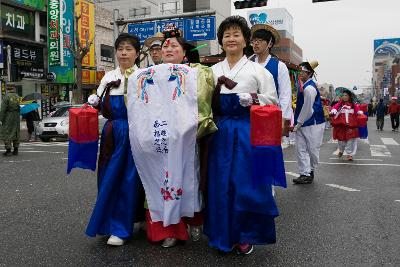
(244, 249)
(350, 158)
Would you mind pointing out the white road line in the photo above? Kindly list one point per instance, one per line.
(380, 151)
(360, 159)
(389, 141)
(349, 163)
(397, 200)
(17, 161)
(38, 151)
(343, 187)
(292, 174)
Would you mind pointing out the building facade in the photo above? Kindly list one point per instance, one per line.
(23, 37)
(386, 70)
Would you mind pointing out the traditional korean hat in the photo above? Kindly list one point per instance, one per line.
(311, 65)
(154, 40)
(268, 28)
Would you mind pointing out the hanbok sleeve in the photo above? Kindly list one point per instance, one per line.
(266, 87)
(285, 92)
(205, 90)
(102, 85)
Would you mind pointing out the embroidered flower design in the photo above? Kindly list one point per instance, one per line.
(168, 192)
(144, 79)
(178, 74)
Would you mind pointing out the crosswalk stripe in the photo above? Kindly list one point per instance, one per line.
(380, 151)
(389, 141)
(292, 174)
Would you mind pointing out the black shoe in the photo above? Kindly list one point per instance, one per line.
(15, 152)
(312, 174)
(7, 153)
(303, 179)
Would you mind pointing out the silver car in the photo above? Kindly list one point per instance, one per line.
(57, 125)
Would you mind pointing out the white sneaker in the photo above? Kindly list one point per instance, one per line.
(115, 241)
(169, 242)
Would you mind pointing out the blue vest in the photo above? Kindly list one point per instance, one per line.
(318, 114)
(272, 67)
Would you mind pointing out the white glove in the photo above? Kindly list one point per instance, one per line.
(333, 112)
(298, 126)
(93, 100)
(245, 99)
(360, 112)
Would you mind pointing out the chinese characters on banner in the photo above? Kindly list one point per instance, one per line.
(17, 21)
(54, 32)
(160, 135)
(86, 33)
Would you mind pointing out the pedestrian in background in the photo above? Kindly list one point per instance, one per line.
(380, 115)
(10, 121)
(394, 110)
(154, 45)
(31, 118)
(346, 134)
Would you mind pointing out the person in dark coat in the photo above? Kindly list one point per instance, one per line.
(30, 118)
(380, 115)
(10, 122)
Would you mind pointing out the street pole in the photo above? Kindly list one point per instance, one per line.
(116, 32)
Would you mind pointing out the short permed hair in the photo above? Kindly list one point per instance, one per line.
(130, 38)
(234, 22)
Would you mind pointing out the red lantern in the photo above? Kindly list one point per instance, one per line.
(83, 124)
(265, 125)
(362, 120)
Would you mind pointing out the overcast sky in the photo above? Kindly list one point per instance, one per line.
(340, 34)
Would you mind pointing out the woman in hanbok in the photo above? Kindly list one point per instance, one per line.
(119, 188)
(176, 50)
(346, 134)
(239, 214)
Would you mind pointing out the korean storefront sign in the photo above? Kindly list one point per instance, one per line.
(86, 31)
(1, 55)
(61, 64)
(17, 22)
(37, 4)
(54, 48)
(27, 62)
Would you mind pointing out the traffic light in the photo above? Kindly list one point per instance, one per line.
(250, 3)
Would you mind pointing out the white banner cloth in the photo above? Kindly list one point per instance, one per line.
(163, 119)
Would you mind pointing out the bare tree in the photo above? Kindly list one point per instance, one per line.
(79, 51)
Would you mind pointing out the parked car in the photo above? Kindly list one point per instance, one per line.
(57, 125)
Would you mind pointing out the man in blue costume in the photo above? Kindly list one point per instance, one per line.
(309, 124)
(263, 39)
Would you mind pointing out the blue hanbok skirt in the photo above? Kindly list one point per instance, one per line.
(119, 185)
(238, 211)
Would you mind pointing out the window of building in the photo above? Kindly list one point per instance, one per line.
(43, 19)
(107, 53)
